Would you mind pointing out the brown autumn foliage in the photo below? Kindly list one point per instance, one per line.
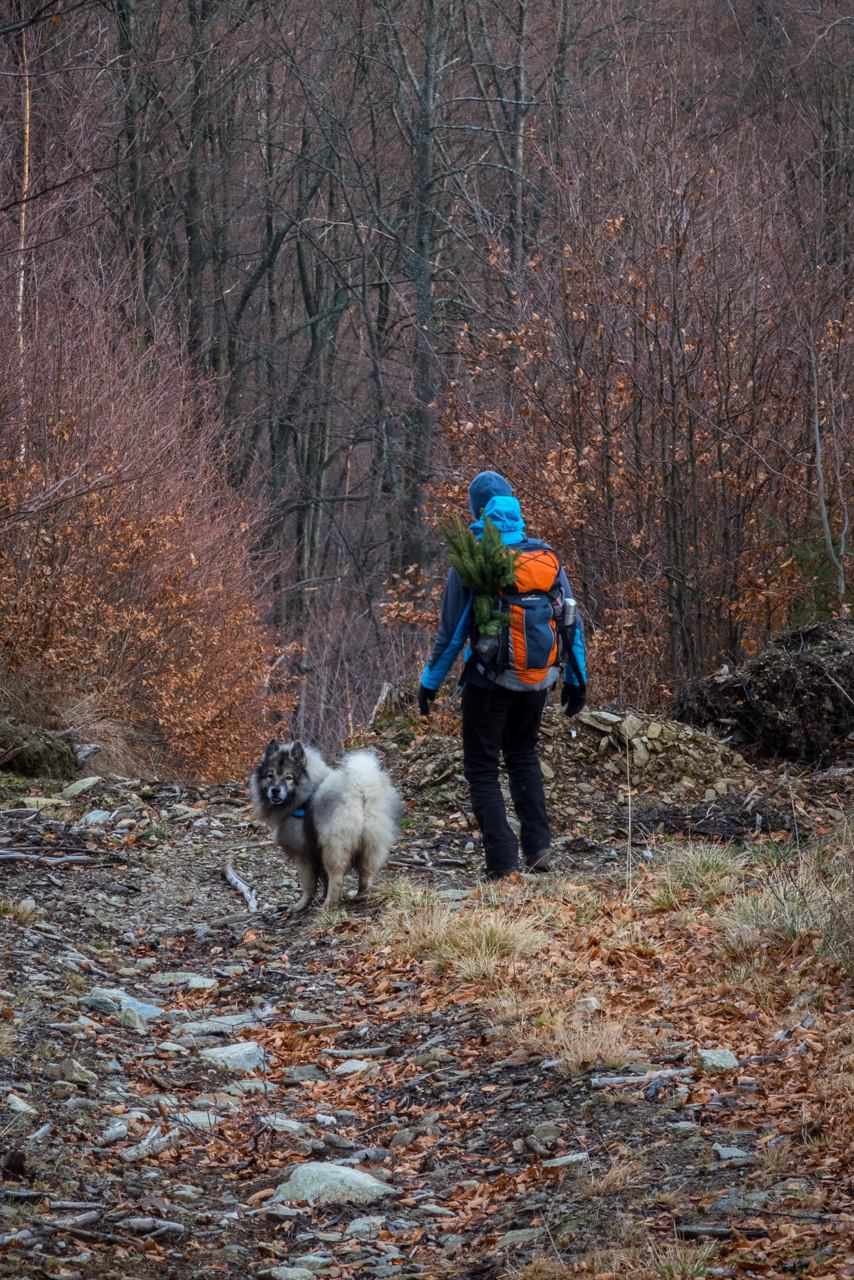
(620, 236)
(125, 583)
(670, 400)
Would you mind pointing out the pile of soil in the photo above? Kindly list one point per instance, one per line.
(795, 700)
(35, 753)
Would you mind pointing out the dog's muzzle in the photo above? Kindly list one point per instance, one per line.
(276, 795)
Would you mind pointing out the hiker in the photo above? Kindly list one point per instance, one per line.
(506, 681)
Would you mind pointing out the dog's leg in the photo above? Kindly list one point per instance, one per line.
(373, 858)
(308, 884)
(366, 879)
(333, 892)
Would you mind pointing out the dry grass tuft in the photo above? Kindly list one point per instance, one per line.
(776, 1158)
(329, 918)
(472, 943)
(623, 1172)
(8, 1038)
(583, 1042)
(680, 1260)
(613, 1264)
(16, 911)
(404, 894)
(545, 1268)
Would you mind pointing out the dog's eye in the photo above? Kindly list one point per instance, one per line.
(289, 777)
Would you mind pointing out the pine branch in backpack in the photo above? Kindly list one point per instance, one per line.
(485, 567)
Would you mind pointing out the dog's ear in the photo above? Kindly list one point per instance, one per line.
(298, 753)
(271, 750)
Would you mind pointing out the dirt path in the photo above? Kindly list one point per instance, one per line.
(138, 999)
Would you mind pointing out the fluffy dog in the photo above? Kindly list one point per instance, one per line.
(327, 820)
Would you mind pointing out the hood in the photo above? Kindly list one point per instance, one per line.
(506, 513)
(489, 484)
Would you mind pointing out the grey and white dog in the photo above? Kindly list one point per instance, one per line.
(327, 820)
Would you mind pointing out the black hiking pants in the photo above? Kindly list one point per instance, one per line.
(496, 720)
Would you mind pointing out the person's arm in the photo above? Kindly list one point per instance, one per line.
(454, 627)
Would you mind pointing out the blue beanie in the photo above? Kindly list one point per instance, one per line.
(489, 484)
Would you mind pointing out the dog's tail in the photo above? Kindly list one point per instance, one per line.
(381, 804)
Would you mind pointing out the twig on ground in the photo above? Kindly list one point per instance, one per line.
(152, 1144)
(47, 862)
(241, 886)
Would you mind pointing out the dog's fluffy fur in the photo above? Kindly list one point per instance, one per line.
(351, 815)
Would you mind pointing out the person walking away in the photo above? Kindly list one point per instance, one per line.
(506, 680)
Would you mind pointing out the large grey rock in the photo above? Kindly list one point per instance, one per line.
(283, 1124)
(366, 1228)
(332, 1184)
(354, 1067)
(575, 1161)
(713, 1060)
(297, 1075)
(199, 1120)
(14, 1103)
(732, 1154)
(245, 1056)
(95, 818)
(526, 1236)
(77, 788)
(185, 980)
(548, 1131)
(313, 1262)
(100, 1004)
(306, 1016)
(132, 1020)
(142, 1007)
(630, 727)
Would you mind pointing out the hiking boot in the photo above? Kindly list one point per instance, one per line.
(500, 873)
(540, 862)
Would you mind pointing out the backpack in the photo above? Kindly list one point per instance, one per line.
(526, 654)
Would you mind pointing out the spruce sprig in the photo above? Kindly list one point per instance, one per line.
(485, 567)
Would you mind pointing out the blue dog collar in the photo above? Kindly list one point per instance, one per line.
(298, 813)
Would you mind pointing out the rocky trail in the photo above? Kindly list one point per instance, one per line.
(454, 1080)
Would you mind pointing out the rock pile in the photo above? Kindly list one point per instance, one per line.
(589, 763)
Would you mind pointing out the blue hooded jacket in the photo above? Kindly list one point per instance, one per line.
(491, 495)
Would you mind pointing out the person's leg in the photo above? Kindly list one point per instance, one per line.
(521, 731)
(484, 716)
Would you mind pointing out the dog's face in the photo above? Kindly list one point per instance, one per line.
(280, 772)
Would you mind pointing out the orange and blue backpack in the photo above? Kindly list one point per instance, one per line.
(540, 635)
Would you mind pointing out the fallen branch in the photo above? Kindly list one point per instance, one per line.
(243, 918)
(152, 1226)
(242, 887)
(695, 1232)
(79, 1220)
(152, 1145)
(673, 1073)
(46, 862)
(16, 1237)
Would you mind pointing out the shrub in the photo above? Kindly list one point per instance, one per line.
(125, 576)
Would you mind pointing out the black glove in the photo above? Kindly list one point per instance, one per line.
(426, 698)
(573, 698)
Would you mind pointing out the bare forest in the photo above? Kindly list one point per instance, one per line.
(277, 278)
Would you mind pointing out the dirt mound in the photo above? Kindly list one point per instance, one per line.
(796, 699)
(35, 753)
(680, 778)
